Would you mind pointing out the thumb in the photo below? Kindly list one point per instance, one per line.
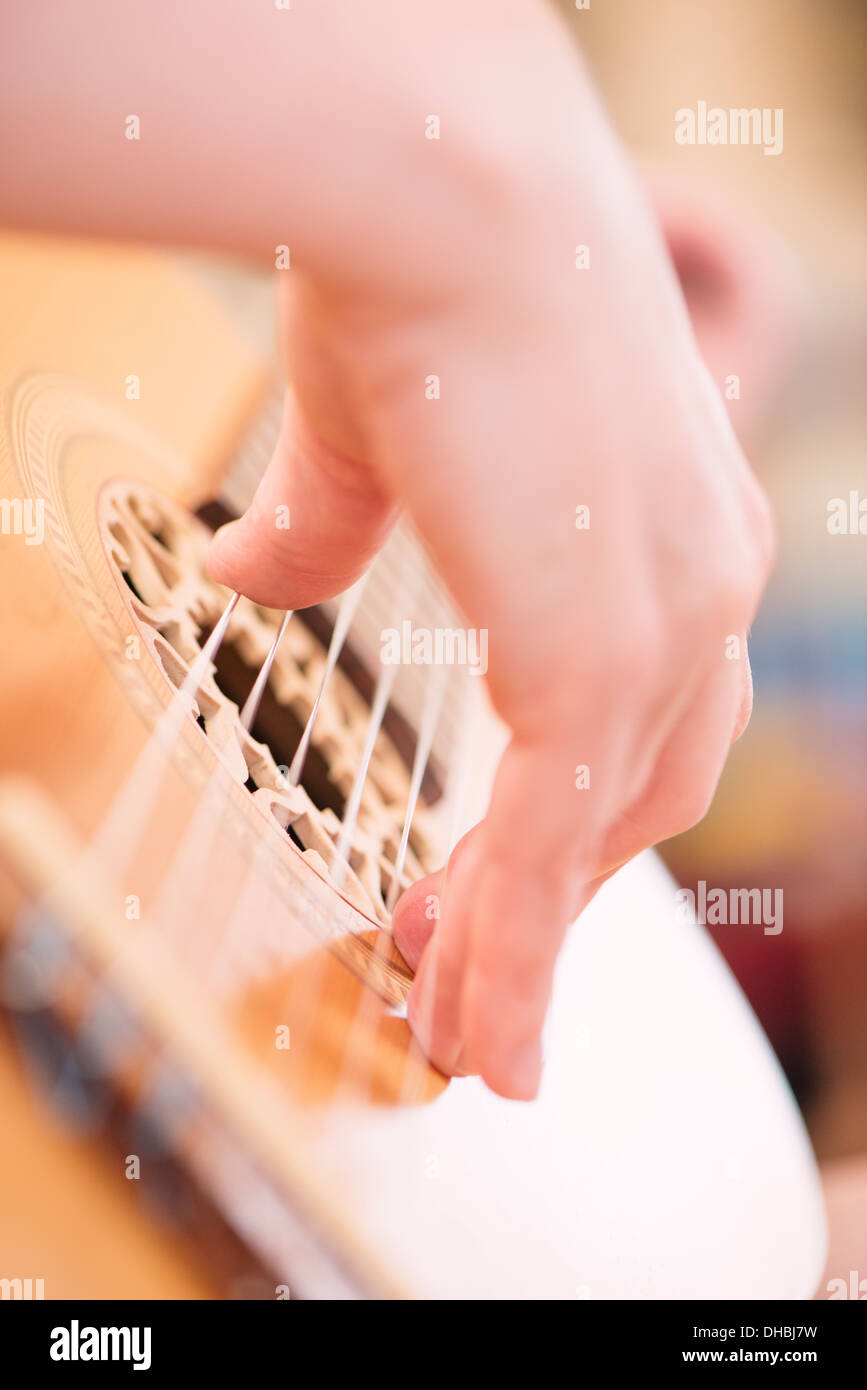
(315, 523)
(416, 911)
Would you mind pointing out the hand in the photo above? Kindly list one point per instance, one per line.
(620, 648)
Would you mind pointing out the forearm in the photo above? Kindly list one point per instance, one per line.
(305, 127)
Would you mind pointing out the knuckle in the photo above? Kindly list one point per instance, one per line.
(690, 805)
(633, 652)
(764, 528)
(736, 588)
(691, 812)
(745, 714)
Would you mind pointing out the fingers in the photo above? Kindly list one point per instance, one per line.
(415, 917)
(314, 525)
(418, 910)
(484, 981)
(480, 996)
(485, 968)
(681, 786)
(520, 916)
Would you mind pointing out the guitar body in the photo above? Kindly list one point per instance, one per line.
(664, 1158)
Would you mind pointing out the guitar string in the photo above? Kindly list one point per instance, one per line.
(199, 837)
(379, 704)
(108, 856)
(188, 860)
(123, 826)
(368, 1009)
(205, 932)
(140, 793)
(251, 705)
(191, 854)
(461, 762)
(433, 701)
(368, 1012)
(347, 607)
(346, 612)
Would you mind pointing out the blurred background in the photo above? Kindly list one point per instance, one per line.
(791, 810)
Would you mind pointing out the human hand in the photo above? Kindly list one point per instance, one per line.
(620, 647)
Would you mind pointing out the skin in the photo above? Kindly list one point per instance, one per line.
(559, 387)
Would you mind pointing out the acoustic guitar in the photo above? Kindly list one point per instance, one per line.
(207, 809)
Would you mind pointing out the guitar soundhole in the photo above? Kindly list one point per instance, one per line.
(158, 551)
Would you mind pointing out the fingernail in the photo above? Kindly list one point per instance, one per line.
(524, 1071)
(460, 1066)
(228, 533)
(219, 541)
(420, 1010)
